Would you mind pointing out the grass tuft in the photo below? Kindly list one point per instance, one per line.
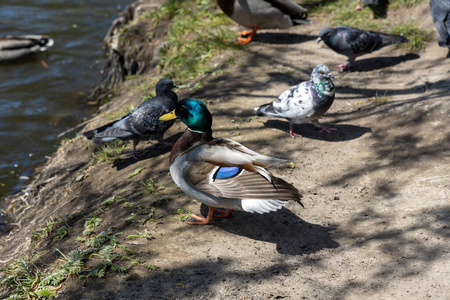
(417, 36)
(108, 152)
(197, 33)
(56, 229)
(150, 185)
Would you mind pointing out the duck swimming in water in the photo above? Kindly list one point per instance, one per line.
(14, 47)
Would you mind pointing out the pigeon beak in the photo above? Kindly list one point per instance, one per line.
(176, 86)
(168, 116)
(319, 39)
(331, 76)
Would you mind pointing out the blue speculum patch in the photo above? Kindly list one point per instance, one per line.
(226, 172)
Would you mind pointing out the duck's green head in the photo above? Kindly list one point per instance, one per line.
(193, 113)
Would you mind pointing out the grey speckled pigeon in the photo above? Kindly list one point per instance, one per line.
(305, 102)
(353, 42)
(13, 47)
(263, 14)
(440, 12)
(143, 122)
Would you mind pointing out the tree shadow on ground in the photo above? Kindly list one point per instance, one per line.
(187, 281)
(411, 248)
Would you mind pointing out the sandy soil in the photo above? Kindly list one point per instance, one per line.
(376, 192)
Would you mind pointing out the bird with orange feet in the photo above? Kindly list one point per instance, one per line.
(222, 173)
(263, 14)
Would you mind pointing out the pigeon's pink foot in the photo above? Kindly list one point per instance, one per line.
(136, 155)
(326, 128)
(344, 67)
(293, 134)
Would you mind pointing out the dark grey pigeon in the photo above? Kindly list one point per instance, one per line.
(353, 42)
(304, 102)
(440, 12)
(143, 122)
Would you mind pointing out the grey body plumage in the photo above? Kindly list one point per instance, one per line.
(143, 122)
(305, 102)
(353, 42)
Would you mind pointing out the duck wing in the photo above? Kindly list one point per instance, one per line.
(229, 171)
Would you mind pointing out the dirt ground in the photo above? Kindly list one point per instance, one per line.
(376, 192)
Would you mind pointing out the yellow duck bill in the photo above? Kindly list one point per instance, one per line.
(168, 116)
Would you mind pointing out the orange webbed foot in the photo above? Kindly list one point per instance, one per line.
(200, 220)
(245, 32)
(222, 212)
(212, 212)
(246, 40)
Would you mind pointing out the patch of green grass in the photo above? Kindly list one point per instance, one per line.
(380, 99)
(184, 214)
(136, 172)
(90, 224)
(417, 36)
(132, 237)
(197, 32)
(129, 220)
(54, 228)
(109, 151)
(98, 240)
(127, 250)
(151, 267)
(120, 199)
(195, 36)
(20, 280)
(395, 4)
(127, 204)
(107, 257)
(150, 185)
(129, 77)
(108, 201)
(23, 280)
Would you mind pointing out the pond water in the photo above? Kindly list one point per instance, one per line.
(37, 103)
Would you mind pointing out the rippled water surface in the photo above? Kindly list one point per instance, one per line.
(38, 103)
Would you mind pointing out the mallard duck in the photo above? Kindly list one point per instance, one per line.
(353, 42)
(263, 14)
(13, 47)
(142, 123)
(222, 173)
(304, 102)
